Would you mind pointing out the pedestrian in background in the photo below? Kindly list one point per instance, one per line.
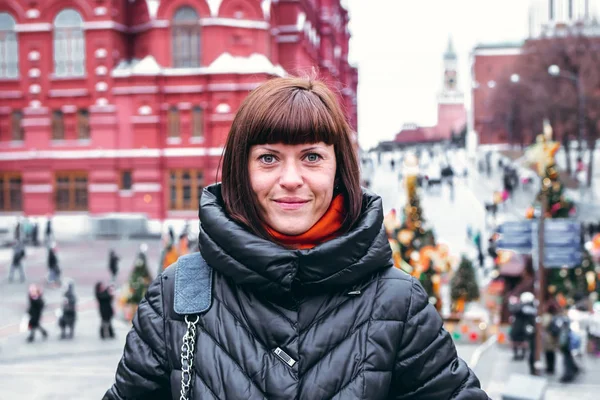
(53, 267)
(170, 255)
(558, 338)
(104, 295)
(49, 233)
(18, 230)
(35, 310)
(16, 264)
(171, 234)
(479, 247)
(183, 246)
(522, 328)
(66, 322)
(113, 265)
(594, 329)
(35, 234)
(306, 302)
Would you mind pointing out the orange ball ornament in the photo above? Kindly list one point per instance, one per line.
(596, 242)
(530, 213)
(501, 338)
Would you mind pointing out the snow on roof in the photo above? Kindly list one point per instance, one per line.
(256, 63)
(146, 66)
(152, 8)
(224, 64)
(266, 8)
(214, 6)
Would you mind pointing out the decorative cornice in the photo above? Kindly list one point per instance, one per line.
(68, 92)
(86, 154)
(33, 27)
(101, 25)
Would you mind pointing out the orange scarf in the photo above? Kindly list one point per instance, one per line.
(325, 229)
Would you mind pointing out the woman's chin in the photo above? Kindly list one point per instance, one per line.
(290, 227)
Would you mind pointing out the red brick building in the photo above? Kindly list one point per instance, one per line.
(451, 113)
(490, 63)
(124, 105)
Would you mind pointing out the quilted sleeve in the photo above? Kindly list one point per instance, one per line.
(143, 372)
(427, 366)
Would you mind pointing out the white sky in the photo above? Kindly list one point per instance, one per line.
(398, 47)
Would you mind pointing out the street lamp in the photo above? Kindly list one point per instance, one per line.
(514, 79)
(554, 70)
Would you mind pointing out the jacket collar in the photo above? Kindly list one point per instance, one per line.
(259, 263)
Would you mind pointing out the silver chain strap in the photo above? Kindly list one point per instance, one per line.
(187, 357)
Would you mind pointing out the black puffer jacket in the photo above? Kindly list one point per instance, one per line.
(357, 327)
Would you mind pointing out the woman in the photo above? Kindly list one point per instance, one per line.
(69, 312)
(35, 311)
(306, 303)
(104, 296)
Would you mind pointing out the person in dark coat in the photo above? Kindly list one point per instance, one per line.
(53, 267)
(69, 312)
(559, 336)
(171, 234)
(35, 310)
(113, 264)
(479, 247)
(35, 234)
(522, 328)
(18, 233)
(306, 302)
(49, 233)
(16, 264)
(104, 295)
(507, 180)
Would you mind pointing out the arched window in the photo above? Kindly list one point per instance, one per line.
(69, 44)
(9, 48)
(186, 38)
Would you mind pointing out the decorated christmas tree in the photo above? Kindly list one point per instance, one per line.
(413, 234)
(566, 282)
(463, 286)
(413, 244)
(139, 280)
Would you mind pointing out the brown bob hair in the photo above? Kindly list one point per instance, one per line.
(291, 111)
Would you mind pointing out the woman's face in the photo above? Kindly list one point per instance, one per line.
(293, 184)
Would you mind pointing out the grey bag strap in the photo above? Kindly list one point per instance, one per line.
(193, 296)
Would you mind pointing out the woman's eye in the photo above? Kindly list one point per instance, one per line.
(267, 158)
(313, 157)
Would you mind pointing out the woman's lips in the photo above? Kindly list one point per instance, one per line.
(290, 205)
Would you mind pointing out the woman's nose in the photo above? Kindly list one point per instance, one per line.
(291, 176)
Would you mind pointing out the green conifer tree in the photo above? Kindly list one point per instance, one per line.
(139, 280)
(464, 282)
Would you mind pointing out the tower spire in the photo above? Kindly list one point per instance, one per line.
(450, 93)
(450, 54)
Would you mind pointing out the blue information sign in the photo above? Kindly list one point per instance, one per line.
(559, 258)
(562, 243)
(516, 227)
(516, 236)
(562, 240)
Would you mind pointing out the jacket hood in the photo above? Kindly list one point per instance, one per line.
(265, 265)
